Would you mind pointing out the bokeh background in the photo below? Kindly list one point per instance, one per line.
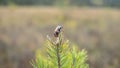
(93, 25)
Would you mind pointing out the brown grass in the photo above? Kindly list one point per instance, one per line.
(24, 29)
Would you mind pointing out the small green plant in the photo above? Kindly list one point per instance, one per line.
(60, 55)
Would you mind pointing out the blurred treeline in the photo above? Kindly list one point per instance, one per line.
(23, 30)
(92, 3)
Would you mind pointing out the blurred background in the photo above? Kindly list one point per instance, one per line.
(93, 25)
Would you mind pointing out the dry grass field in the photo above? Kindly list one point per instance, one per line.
(23, 30)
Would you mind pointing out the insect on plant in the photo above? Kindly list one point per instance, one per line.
(60, 54)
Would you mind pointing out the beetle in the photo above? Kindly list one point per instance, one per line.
(57, 31)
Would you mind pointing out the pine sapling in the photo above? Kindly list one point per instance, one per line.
(60, 54)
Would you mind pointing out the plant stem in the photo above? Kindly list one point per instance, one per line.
(58, 56)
